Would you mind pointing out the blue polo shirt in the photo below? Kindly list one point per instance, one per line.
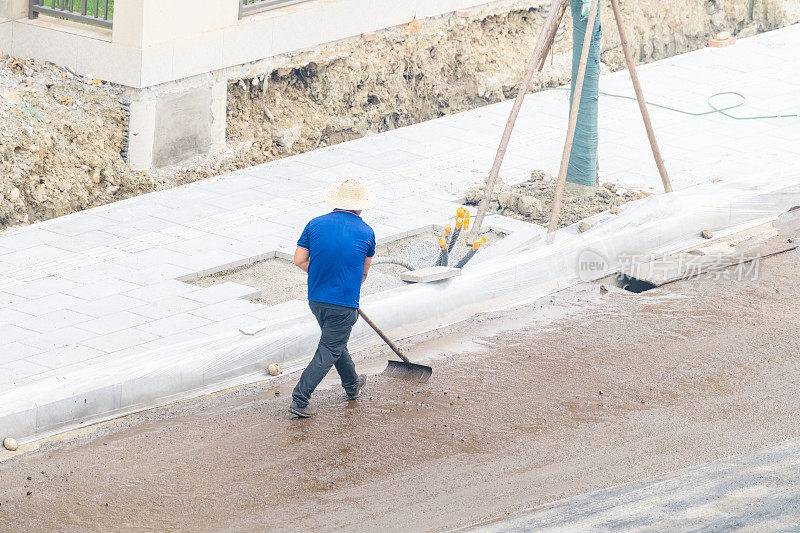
(337, 243)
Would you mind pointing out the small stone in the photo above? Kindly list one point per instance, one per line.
(269, 115)
(603, 289)
(541, 175)
(615, 210)
(585, 225)
(96, 175)
(706, 234)
(529, 206)
(369, 36)
(14, 195)
(463, 13)
(10, 444)
(287, 137)
(274, 369)
(723, 35)
(604, 193)
(506, 199)
(747, 32)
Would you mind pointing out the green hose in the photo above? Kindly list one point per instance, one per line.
(714, 109)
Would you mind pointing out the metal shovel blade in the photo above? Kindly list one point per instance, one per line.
(408, 371)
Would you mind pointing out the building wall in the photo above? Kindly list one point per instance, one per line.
(155, 42)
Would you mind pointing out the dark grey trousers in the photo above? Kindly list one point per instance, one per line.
(336, 323)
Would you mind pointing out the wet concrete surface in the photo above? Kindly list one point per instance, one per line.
(578, 392)
(756, 491)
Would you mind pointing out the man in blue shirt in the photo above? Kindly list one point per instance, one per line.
(336, 250)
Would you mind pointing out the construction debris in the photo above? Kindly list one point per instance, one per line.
(532, 200)
(60, 142)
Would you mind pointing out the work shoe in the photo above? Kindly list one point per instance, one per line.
(302, 412)
(362, 380)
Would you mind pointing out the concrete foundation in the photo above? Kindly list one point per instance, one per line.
(176, 121)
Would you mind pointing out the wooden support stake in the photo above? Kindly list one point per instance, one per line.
(549, 32)
(640, 97)
(546, 37)
(573, 120)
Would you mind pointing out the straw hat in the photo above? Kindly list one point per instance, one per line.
(349, 194)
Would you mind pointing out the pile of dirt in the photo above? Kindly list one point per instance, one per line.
(532, 200)
(60, 141)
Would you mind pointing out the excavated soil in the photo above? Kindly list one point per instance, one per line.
(579, 392)
(532, 200)
(60, 141)
(56, 158)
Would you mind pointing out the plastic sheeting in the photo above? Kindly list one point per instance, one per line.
(655, 225)
(582, 167)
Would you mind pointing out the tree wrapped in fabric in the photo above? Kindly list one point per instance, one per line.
(582, 168)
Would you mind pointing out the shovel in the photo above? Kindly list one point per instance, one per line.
(404, 369)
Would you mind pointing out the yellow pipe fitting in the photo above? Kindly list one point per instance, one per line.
(466, 220)
(459, 222)
(477, 244)
(447, 229)
(442, 243)
(460, 212)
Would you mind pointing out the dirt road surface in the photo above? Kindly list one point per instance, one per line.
(578, 392)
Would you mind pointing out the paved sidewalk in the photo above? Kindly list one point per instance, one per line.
(757, 491)
(101, 284)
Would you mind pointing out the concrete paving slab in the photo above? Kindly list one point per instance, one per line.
(50, 340)
(228, 290)
(224, 310)
(118, 340)
(64, 356)
(113, 322)
(169, 326)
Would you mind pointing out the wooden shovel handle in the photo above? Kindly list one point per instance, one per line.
(383, 336)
